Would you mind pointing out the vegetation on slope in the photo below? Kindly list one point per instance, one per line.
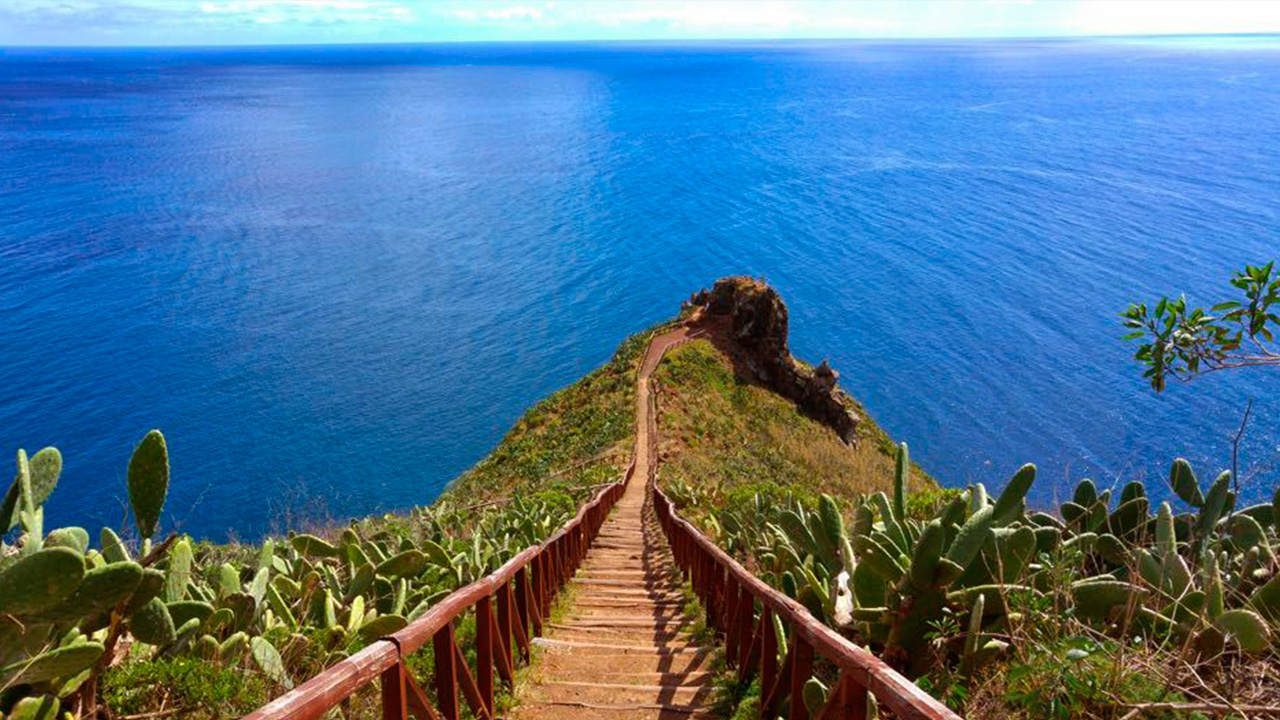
(719, 430)
(1101, 610)
(199, 630)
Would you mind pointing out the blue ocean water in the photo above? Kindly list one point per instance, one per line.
(335, 276)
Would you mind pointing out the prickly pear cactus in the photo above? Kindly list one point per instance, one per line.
(889, 580)
(149, 482)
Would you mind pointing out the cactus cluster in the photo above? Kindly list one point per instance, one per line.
(1208, 575)
(285, 609)
(60, 600)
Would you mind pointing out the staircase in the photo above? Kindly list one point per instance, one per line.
(624, 649)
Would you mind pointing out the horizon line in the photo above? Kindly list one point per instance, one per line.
(666, 41)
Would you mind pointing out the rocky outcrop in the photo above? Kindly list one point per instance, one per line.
(755, 317)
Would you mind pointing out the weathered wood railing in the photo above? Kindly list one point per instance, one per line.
(730, 594)
(510, 605)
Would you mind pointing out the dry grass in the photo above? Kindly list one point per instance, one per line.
(722, 430)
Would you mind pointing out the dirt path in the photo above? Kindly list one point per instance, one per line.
(624, 651)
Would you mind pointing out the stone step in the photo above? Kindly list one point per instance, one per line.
(621, 693)
(641, 579)
(604, 594)
(567, 665)
(604, 648)
(655, 619)
(585, 711)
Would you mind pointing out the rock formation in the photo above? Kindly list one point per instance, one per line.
(756, 319)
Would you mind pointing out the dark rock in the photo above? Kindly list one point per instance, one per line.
(758, 323)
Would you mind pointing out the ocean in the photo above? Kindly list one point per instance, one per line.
(334, 276)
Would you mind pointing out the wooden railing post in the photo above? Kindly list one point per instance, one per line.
(484, 652)
(732, 597)
(768, 651)
(446, 672)
(557, 553)
(506, 629)
(549, 588)
(746, 621)
(532, 606)
(848, 701)
(545, 591)
(522, 599)
(801, 671)
(749, 654)
(711, 602)
(394, 702)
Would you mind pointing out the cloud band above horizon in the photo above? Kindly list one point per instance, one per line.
(241, 22)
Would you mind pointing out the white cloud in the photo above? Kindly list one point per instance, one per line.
(512, 13)
(249, 21)
(334, 11)
(710, 13)
(517, 12)
(1172, 17)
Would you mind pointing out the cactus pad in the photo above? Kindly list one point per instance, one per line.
(1247, 630)
(68, 537)
(45, 468)
(1011, 501)
(152, 623)
(406, 564)
(43, 707)
(148, 482)
(268, 660)
(60, 663)
(1096, 598)
(39, 580)
(178, 574)
(101, 589)
(972, 536)
(113, 548)
(1266, 600)
(312, 546)
(1185, 484)
(184, 610)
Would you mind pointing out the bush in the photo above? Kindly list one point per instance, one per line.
(199, 688)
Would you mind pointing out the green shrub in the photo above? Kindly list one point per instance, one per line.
(202, 689)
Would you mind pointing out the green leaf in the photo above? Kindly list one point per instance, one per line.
(148, 482)
(269, 661)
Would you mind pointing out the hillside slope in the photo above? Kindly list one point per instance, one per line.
(721, 429)
(736, 409)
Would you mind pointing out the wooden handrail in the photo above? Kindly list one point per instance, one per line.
(729, 593)
(522, 591)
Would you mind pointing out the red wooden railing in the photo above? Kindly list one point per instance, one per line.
(510, 605)
(729, 595)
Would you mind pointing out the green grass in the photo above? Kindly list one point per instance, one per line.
(719, 430)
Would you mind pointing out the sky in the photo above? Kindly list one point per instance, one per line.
(249, 22)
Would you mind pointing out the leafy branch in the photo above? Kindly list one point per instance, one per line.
(1182, 342)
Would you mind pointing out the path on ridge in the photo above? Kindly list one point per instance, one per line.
(623, 651)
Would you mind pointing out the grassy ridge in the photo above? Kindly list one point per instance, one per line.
(717, 429)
